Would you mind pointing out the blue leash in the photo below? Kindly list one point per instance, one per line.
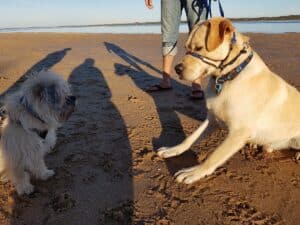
(208, 9)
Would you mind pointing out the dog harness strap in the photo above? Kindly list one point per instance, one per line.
(29, 109)
(203, 58)
(232, 74)
(41, 133)
(221, 65)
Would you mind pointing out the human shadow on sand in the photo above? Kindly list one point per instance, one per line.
(46, 63)
(168, 103)
(92, 160)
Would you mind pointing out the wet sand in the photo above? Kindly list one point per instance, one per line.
(107, 171)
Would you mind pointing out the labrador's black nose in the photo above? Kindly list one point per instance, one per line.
(179, 68)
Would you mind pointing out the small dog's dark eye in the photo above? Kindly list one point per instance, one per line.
(198, 48)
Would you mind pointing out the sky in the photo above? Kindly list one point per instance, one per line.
(26, 13)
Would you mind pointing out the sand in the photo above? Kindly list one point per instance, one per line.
(107, 171)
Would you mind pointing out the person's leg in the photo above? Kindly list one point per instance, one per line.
(170, 21)
(167, 69)
(196, 12)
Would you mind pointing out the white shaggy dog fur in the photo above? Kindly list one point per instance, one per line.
(29, 130)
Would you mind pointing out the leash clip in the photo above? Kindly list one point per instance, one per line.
(218, 85)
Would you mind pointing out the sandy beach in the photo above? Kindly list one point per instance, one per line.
(106, 168)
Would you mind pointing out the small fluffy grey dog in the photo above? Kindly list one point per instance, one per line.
(28, 132)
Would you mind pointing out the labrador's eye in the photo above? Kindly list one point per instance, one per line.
(198, 49)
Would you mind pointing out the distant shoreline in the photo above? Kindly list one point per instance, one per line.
(278, 18)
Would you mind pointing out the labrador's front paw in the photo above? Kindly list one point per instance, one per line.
(167, 152)
(192, 174)
(268, 149)
(297, 155)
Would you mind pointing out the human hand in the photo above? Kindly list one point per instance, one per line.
(149, 4)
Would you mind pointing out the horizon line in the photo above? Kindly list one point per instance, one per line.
(284, 17)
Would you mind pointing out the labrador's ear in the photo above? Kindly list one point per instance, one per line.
(218, 28)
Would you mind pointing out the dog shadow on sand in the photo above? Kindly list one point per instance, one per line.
(167, 104)
(92, 160)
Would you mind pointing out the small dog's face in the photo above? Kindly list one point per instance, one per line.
(50, 96)
(210, 39)
(68, 107)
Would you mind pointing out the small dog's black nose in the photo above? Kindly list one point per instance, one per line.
(179, 68)
(71, 100)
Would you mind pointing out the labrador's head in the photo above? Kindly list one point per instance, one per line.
(211, 40)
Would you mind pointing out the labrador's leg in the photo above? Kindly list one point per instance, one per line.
(277, 146)
(295, 143)
(297, 155)
(166, 152)
(233, 143)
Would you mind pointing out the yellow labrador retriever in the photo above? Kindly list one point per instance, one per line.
(256, 105)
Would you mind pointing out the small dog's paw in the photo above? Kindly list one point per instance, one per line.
(50, 140)
(166, 152)
(191, 175)
(297, 155)
(51, 146)
(48, 148)
(25, 189)
(252, 145)
(47, 174)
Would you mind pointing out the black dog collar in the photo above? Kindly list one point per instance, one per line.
(232, 74)
(41, 133)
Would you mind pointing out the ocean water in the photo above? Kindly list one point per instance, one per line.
(245, 26)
